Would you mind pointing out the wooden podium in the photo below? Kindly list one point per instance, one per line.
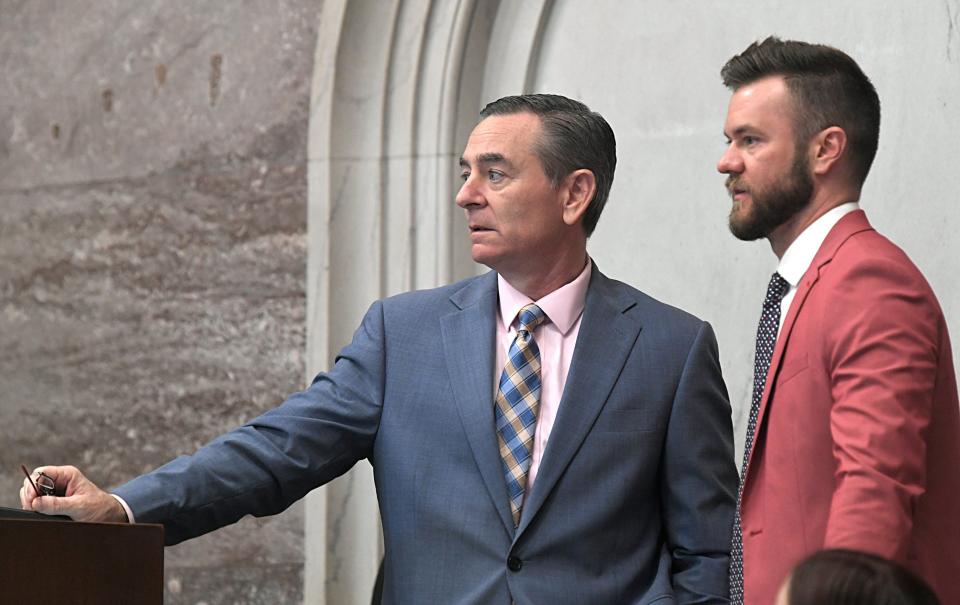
(47, 561)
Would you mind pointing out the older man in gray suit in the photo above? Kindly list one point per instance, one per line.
(539, 434)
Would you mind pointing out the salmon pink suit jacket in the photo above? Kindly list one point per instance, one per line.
(858, 436)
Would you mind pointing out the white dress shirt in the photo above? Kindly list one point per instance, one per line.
(798, 256)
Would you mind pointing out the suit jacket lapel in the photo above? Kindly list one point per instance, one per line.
(605, 339)
(850, 224)
(468, 336)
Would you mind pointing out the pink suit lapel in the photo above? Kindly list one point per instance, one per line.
(850, 224)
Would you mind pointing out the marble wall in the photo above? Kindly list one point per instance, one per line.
(153, 250)
(399, 87)
(158, 240)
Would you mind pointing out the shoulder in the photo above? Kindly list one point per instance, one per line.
(870, 286)
(870, 265)
(439, 300)
(658, 319)
(415, 314)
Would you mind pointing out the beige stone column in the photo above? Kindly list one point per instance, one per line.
(396, 90)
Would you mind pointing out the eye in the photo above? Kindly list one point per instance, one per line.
(749, 140)
(495, 176)
(464, 175)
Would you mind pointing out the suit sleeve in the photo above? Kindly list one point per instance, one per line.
(699, 478)
(883, 355)
(267, 464)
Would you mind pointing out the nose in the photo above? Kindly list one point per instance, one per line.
(469, 194)
(730, 162)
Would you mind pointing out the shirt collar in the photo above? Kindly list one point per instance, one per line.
(563, 306)
(796, 260)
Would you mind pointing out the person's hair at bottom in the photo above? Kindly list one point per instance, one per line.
(847, 577)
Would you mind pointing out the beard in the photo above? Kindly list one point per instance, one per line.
(772, 206)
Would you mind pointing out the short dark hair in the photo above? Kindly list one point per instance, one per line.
(573, 138)
(827, 87)
(847, 577)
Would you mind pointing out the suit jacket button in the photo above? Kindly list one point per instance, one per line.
(514, 563)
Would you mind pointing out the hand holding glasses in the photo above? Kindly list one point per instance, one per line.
(43, 486)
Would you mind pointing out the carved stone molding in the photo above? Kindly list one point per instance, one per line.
(397, 87)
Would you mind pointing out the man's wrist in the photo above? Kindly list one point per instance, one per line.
(126, 513)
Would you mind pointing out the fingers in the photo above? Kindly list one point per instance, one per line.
(27, 495)
(47, 505)
(81, 499)
(99, 507)
(66, 478)
(70, 506)
(89, 503)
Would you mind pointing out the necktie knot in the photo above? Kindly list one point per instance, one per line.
(529, 317)
(777, 288)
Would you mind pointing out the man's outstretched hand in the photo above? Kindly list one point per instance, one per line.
(81, 499)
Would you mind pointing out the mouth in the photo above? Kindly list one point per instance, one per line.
(735, 189)
(479, 229)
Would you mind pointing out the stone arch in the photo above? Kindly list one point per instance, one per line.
(397, 85)
(396, 90)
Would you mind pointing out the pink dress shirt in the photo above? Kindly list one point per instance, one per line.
(556, 340)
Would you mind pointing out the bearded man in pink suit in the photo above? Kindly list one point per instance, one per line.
(854, 434)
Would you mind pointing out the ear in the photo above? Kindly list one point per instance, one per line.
(579, 186)
(827, 147)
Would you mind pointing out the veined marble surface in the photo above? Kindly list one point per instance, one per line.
(153, 251)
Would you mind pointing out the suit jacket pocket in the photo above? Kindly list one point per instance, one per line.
(634, 420)
(791, 368)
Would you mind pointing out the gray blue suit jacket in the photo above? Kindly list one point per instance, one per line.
(635, 494)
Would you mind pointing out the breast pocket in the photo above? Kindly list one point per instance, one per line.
(634, 420)
(792, 368)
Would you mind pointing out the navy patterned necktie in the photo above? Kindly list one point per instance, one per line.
(517, 404)
(766, 339)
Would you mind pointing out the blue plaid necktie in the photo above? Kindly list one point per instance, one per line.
(766, 339)
(518, 400)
